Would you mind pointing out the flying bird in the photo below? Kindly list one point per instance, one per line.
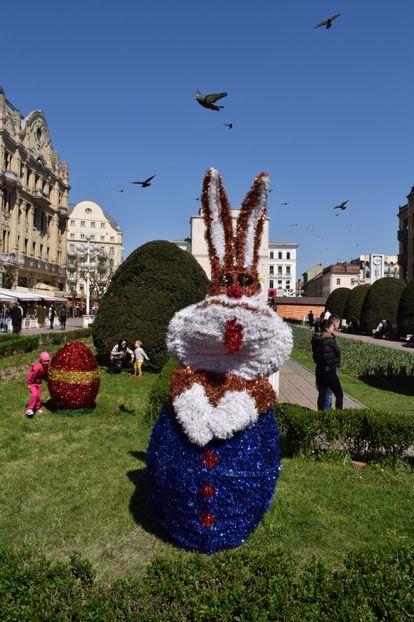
(328, 22)
(229, 125)
(342, 205)
(207, 101)
(295, 225)
(285, 203)
(145, 183)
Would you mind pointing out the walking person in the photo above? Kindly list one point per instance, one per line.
(139, 356)
(5, 314)
(327, 357)
(37, 373)
(16, 316)
(63, 316)
(51, 315)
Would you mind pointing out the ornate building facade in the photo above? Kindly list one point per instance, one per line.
(90, 227)
(34, 190)
(406, 238)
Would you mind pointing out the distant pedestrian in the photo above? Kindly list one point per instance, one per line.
(311, 319)
(16, 316)
(139, 356)
(37, 373)
(5, 314)
(327, 357)
(51, 315)
(63, 316)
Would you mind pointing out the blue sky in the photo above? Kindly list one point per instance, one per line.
(328, 113)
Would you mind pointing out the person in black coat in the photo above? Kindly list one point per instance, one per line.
(16, 316)
(327, 357)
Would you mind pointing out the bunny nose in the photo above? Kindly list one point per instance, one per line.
(235, 291)
(233, 336)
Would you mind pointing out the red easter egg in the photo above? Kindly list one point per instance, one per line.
(73, 378)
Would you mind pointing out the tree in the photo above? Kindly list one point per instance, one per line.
(153, 283)
(405, 315)
(354, 302)
(100, 274)
(381, 303)
(337, 300)
(9, 276)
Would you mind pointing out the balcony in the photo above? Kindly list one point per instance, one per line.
(402, 235)
(9, 179)
(63, 212)
(41, 199)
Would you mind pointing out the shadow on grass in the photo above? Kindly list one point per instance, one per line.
(140, 505)
(396, 384)
(127, 411)
(68, 412)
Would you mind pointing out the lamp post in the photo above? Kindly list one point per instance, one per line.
(91, 251)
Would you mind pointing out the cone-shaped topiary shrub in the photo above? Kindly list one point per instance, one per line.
(405, 315)
(354, 303)
(337, 300)
(381, 303)
(152, 284)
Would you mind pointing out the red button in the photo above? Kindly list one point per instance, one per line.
(208, 491)
(207, 520)
(210, 459)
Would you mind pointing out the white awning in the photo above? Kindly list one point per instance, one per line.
(6, 298)
(20, 295)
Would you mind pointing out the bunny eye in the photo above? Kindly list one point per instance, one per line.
(225, 279)
(244, 279)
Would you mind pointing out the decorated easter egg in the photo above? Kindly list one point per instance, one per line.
(73, 378)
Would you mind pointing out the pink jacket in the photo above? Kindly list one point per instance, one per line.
(36, 374)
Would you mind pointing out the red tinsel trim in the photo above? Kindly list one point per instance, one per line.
(210, 459)
(233, 336)
(208, 491)
(207, 520)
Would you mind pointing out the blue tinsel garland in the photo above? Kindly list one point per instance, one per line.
(211, 498)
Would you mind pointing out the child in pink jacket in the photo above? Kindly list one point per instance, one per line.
(34, 379)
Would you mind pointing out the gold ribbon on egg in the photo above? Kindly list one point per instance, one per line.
(73, 377)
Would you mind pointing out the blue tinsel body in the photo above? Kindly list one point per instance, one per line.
(243, 481)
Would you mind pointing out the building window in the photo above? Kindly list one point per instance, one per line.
(93, 224)
(287, 284)
(279, 269)
(102, 237)
(271, 254)
(72, 236)
(287, 255)
(279, 283)
(279, 255)
(287, 269)
(72, 248)
(88, 210)
(72, 222)
(92, 237)
(82, 223)
(271, 270)
(338, 281)
(102, 225)
(271, 284)
(112, 238)
(82, 236)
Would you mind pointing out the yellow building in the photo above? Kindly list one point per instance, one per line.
(34, 190)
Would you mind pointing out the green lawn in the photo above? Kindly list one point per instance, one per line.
(388, 395)
(78, 484)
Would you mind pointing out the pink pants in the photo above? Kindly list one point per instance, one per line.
(35, 400)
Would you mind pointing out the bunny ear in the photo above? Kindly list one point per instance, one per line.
(250, 222)
(217, 218)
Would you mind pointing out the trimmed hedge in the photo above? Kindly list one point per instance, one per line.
(148, 288)
(337, 300)
(364, 433)
(405, 315)
(358, 358)
(381, 303)
(354, 303)
(21, 343)
(232, 586)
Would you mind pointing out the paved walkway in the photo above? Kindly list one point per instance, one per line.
(71, 324)
(297, 386)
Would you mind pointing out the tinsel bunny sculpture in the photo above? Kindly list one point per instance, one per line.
(213, 458)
